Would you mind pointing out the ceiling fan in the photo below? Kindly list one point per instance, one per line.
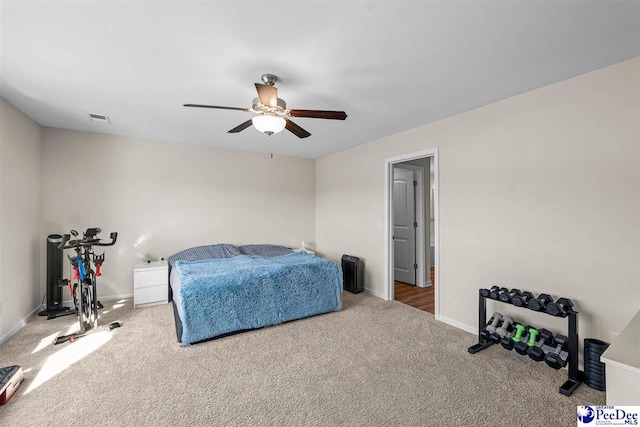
(273, 116)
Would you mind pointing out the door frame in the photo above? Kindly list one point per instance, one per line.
(388, 222)
(421, 277)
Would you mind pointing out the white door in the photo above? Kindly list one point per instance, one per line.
(404, 232)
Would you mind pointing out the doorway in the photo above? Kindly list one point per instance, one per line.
(411, 230)
(408, 223)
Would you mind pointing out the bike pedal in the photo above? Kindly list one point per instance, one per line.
(100, 305)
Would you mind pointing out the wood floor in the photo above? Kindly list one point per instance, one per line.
(414, 296)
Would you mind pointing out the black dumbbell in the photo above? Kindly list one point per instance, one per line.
(507, 343)
(507, 296)
(557, 357)
(539, 304)
(545, 337)
(495, 293)
(560, 307)
(485, 292)
(521, 300)
(502, 331)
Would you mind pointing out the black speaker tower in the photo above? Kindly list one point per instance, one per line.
(54, 280)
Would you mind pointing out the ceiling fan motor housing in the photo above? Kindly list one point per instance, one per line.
(259, 107)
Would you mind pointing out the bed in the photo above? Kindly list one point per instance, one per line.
(221, 289)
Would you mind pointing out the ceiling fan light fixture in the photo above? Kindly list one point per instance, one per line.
(269, 124)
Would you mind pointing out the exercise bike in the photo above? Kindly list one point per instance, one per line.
(83, 281)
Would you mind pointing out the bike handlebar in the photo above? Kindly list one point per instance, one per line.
(65, 239)
(89, 240)
(113, 236)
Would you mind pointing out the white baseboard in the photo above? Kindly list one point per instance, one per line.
(375, 293)
(68, 303)
(19, 325)
(458, 325)
(426, 284)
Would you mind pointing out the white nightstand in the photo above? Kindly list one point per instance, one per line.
(150, 283)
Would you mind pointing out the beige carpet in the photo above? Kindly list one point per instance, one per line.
(375, 363)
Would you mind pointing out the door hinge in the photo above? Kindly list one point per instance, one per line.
(415, 225)
(415, 183)
(415, 266)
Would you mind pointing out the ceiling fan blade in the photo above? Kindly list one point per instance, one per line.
(319, 114)
(241, 127)
(296, 130)
(216, 106)
(268, 95)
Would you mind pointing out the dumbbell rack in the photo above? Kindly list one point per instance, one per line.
(574, 376)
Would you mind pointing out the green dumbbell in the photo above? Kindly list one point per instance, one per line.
(519, 331)
(522, 347)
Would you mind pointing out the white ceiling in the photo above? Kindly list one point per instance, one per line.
(390, 65)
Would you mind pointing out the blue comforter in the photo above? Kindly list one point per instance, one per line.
(218, 296)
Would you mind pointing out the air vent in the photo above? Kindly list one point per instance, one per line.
(99, 118)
